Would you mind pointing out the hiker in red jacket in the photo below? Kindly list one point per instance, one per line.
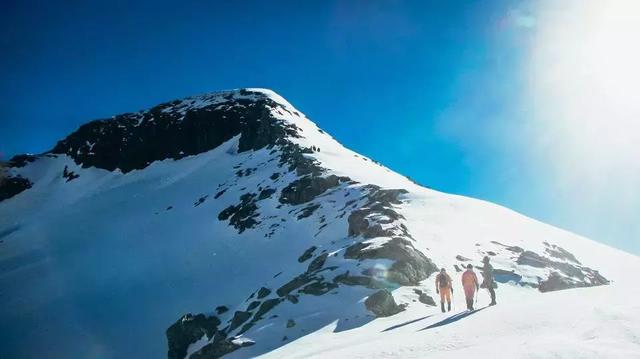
(470, 285)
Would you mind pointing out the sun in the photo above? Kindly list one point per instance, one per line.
(584, 76)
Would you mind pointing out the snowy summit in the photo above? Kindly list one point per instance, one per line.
(229, 224)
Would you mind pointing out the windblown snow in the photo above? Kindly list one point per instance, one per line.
(262, 235)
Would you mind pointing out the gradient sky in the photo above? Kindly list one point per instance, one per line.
(446, 92)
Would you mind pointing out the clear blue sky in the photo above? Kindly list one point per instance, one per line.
(431, 89)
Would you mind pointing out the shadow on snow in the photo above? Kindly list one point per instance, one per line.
(407, 323)
(452, 319)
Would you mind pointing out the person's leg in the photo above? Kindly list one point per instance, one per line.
(448, 291)
(442, 298)
(492, 292)
(468, 294)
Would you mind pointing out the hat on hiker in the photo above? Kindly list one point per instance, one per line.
(469, 266)
(485, 259)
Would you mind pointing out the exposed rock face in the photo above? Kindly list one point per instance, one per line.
(176, 129)
(20, 161)
(188, 330)
(377, 218)
(424, 297)
(12, 186)
(569, 274)
(218, 348)
(307, 188)
(382, 304)
(242, 215)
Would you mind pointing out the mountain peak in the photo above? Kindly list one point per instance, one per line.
(180, 128)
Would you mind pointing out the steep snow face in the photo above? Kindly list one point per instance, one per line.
(237, 208)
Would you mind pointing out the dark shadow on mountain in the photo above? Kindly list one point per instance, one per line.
(407, 323)
(452, 319)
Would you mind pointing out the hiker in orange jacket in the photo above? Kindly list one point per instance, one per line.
(470, 285)
(444, 287)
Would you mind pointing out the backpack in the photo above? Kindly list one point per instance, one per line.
(443, 280)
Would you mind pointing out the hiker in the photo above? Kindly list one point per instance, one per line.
(488, 280)
(470, 285)
(444, 288)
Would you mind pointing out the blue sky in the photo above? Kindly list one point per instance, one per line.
(437, 90)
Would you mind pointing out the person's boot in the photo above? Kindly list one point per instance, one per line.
(449, 309)
(442, 306)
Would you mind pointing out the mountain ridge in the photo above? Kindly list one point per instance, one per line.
(262, 187)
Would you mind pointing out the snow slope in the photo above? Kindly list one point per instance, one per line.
(203, 205)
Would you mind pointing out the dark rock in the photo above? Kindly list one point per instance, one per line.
(171, 130)
(561, 253)
(462, 259)
(426, 299)
(308, 211)
(352, 280)
(200, 200)
(566, 275)
(266, 306)
(318, 288)
(241, 216)
(253, 305)
(222, 309)
(19, 161)
(307, 188)
(293, 284)
(382, 304)
(187, 330)
(557, 282)
(515, 249)
(266, 193)
(12, 186)
(216, 349)
(317, 263)
(410, 266)
(263, 292)
(239, 317)
(307, 254)
(291, 323)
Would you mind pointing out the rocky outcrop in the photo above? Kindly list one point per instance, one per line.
(188, 330)
(562, 275)
(378, 218)
(243, 215)
(11, 186)
(177, 129)
(410, 265)
(424, 297)
(219, 347)
(382, 304)
(307, 188)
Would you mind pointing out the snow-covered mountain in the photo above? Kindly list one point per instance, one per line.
(230, 224)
